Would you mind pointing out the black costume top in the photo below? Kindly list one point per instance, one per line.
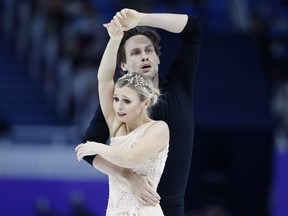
(175, 107)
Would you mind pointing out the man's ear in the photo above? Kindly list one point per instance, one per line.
(123, 67)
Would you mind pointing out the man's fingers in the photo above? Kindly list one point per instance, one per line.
(116, 18)
(147, 201)
(120, 15)
(151, 191)
(143, 201)
(155, 195)
(124, 12)
(117, 22)
(150, 197)
(150, 194)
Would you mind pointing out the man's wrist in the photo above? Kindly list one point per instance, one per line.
(126, 174)
(142, 18)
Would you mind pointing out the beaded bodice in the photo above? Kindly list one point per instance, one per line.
(121, 200)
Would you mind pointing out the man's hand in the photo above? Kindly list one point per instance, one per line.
(141, 187)
(128, 18)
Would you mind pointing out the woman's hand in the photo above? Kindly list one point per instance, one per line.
(114, 29)
(85, 149)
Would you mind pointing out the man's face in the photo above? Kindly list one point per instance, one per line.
(141, 56)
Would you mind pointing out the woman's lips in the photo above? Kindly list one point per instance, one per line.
(121, 114)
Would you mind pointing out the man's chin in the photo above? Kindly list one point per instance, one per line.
(147, 73)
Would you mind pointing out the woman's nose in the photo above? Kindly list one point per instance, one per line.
(119, 106)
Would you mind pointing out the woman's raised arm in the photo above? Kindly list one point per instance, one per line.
(107, 69)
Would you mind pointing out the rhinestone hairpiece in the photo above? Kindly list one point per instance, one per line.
(137, 80)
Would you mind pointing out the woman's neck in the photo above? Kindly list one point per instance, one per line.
(133, 125)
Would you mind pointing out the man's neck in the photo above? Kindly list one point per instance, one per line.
(155, 81)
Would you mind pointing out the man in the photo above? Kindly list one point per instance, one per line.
(139, 52)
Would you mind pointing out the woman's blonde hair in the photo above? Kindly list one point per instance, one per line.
(142, 85)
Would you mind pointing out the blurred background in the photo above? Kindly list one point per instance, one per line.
(49, 54)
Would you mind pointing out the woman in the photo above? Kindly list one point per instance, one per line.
(136, 141)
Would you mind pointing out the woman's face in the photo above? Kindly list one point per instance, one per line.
(127, 105)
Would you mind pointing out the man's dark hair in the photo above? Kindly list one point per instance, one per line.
(151, 34)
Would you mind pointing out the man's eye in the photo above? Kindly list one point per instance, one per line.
(135, 52)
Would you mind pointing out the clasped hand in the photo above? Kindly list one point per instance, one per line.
(123, 20)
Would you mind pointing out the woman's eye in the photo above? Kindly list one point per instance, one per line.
(127, 101)
(115, 99)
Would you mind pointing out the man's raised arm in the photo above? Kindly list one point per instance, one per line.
(170, 22)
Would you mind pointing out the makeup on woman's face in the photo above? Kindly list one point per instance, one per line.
(126, 103)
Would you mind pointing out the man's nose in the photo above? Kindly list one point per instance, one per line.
(144, 56)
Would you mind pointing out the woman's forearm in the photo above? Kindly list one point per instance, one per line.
(119, 156)
(107, 167)
(108, 63)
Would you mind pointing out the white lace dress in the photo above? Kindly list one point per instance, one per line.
(121, 201)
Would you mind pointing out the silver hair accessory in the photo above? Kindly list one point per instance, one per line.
(137, 80)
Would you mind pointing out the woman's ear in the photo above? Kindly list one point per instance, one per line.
(147, 103)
